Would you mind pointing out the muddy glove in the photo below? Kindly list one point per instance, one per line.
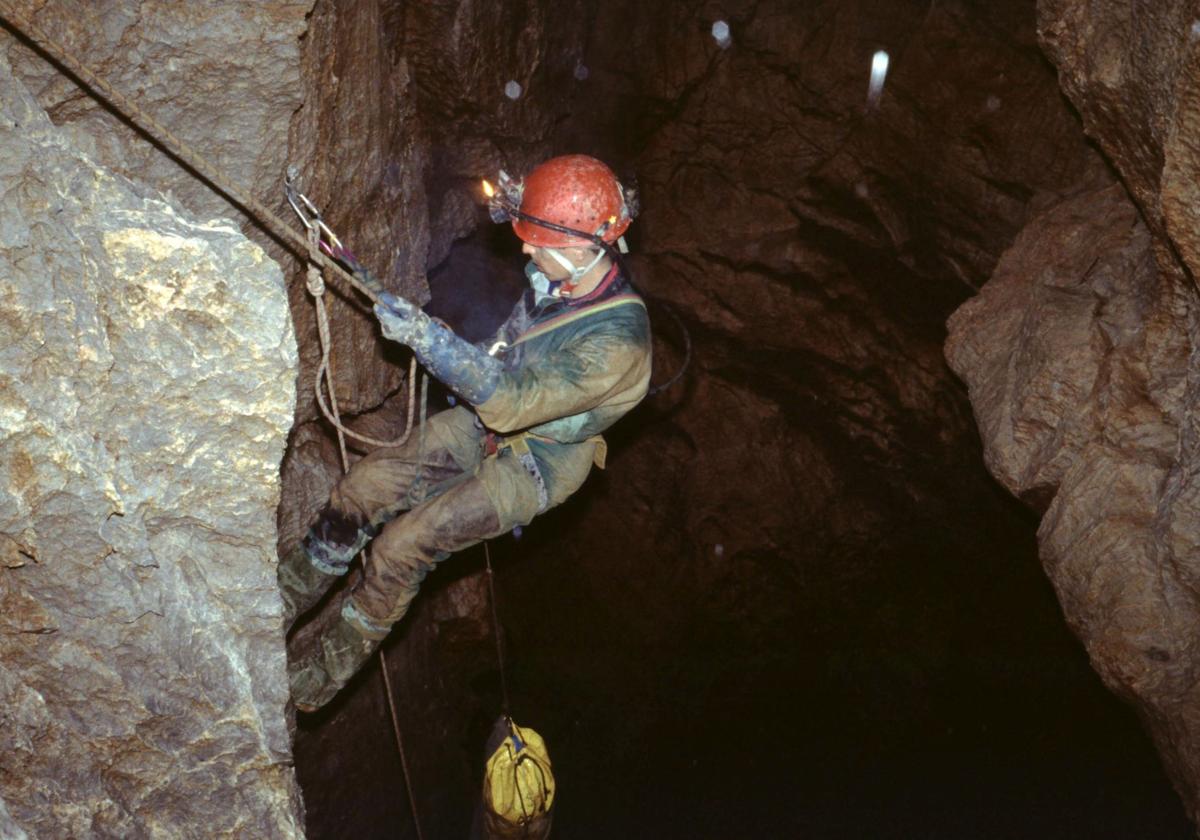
(464, 368)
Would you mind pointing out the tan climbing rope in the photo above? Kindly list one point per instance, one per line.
(316, 288)
(306, 247)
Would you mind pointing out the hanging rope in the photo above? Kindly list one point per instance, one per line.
(487, 555)
(316, 288)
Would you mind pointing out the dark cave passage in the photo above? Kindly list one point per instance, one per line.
(796, 604)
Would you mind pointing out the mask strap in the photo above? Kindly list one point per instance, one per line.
(576, 271)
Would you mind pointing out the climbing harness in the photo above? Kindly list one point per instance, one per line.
(519, 445)
(320, 255)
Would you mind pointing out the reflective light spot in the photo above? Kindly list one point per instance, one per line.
(719, 550)
(860, 190)
(993, 103)
(879, 69)
(513, 90)
(581, 72)
(1195, 29)
(720, 33)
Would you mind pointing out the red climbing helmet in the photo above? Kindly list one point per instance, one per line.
(573, 191)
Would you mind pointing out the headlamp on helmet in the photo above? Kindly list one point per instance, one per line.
(504, 199)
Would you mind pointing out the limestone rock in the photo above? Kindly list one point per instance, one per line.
(147, 368)
(223, 76)
(358, 147)
(1078, 357)
(1133, 73)
(9, 830)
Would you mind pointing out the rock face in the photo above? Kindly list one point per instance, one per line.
(1080, 354)
(230, 93)
(147, 364)
(1131, 70)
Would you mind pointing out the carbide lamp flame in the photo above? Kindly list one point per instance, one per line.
(488, 190)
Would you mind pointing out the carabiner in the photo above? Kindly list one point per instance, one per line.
(309, 215)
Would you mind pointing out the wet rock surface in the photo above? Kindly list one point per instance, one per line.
(1080, 358)
(1077, 353)
(147, 399)
(229, 93)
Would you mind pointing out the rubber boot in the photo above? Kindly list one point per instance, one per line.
(325, 657)
(301, 584)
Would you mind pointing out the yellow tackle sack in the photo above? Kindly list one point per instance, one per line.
(518, 787)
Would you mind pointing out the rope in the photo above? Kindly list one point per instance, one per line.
(164, 139)
(487, 555)
(316, 288)
(416, 490)
(387, 685)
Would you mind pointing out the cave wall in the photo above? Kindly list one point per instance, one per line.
(815, 249)
(147, 363)
(1080, 357)
(223, 76)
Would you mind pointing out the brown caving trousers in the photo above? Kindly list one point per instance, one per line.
(463, 498)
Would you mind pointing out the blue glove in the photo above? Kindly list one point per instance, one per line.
(460, 366)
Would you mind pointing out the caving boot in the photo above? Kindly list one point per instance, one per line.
(301, 584)
(326, 654)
